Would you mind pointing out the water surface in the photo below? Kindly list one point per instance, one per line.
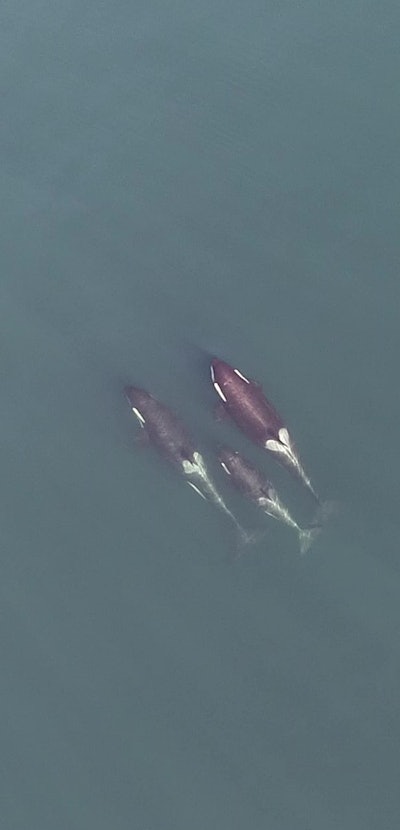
(176, 180)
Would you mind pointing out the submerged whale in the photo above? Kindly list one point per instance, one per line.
(254, 486)
(170, 437)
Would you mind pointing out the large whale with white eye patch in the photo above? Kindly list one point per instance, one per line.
(248, 407)
(255, 487)
(170, 437)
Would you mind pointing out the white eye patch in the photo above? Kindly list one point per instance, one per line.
(139, 416)
(219, 391)
(224, 467)
(241, 376)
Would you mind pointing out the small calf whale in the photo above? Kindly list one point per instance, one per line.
(170, 437)
(254, 486)
(248, 407)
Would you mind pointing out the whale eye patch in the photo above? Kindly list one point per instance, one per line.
(139, 416)
(219, 391)
(241, 376)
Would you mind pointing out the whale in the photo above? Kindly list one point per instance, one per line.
(244, 401)
(170, 437)
(255, 487)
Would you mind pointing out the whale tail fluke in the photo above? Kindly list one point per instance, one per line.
(307, 537)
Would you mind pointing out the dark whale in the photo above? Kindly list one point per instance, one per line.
(248, 407)
(172, 440)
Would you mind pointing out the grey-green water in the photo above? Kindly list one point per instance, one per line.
(179, 177)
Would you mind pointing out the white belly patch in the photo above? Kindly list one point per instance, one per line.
(284, 436)
(274, 446)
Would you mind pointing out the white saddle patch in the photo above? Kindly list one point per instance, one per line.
(196, 489)
(284, 436)
(224, 467)
(139, 416)
(241, 376)
(219, 391)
